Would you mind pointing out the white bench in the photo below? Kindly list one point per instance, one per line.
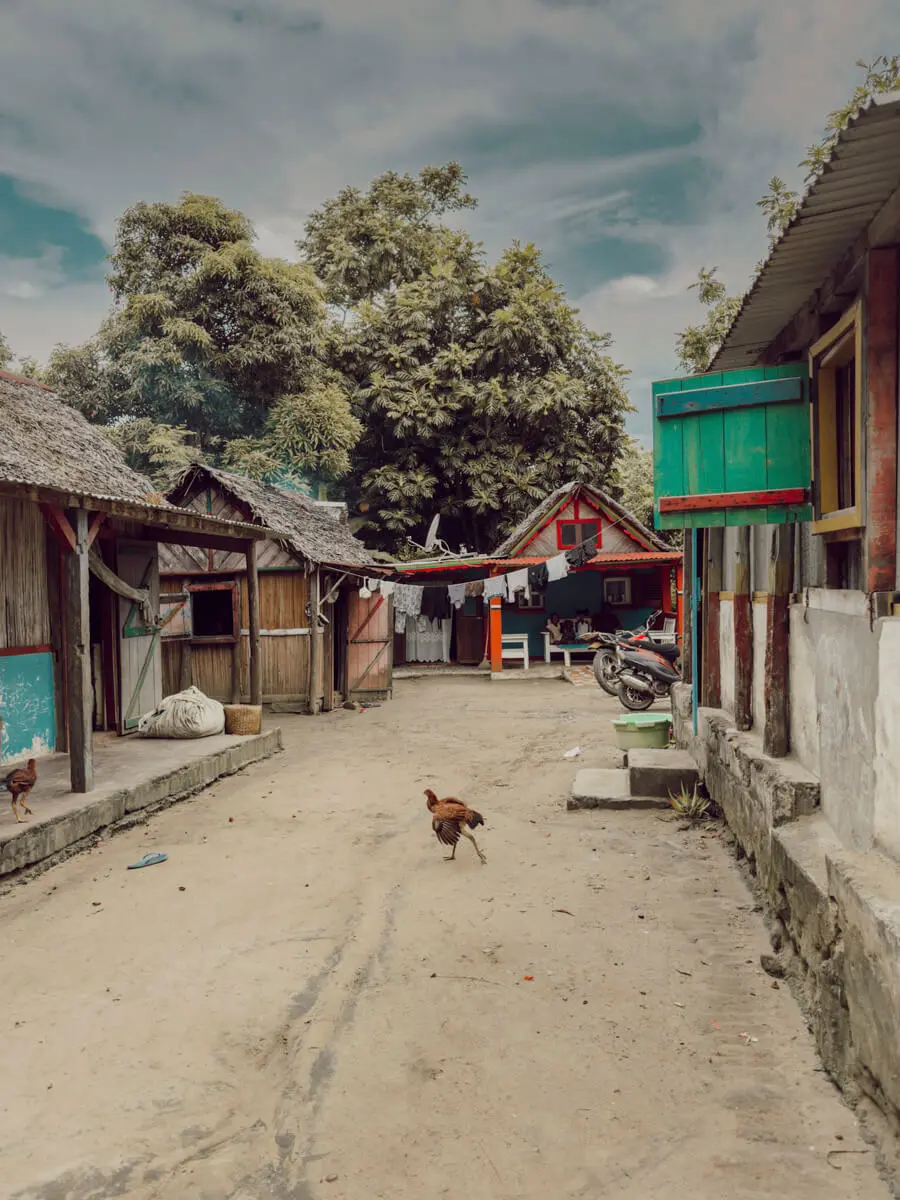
(667, 635)
(564, 650)
(514, 646)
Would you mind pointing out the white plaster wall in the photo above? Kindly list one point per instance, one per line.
(886, 816)
(726, 653)
(804, 706)
(759, 667)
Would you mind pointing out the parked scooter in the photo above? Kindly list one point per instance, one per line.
(645, 675)
(606, 663)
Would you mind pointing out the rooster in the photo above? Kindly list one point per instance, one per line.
(451, 818)
(19, 784)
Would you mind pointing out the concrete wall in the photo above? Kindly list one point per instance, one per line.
(886, 806)
(759, 667)
(804, 709)
(726, 653)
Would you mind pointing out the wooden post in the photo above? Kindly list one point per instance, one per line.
(56, 596)
(743, 632)
(666, 580)
(236, 664)
(882, 281)
(316, 656)
(78, 660)
(496, 634)
(253, 615)
(712, 670)
(776, 730)
(686, 590)
(679, 606)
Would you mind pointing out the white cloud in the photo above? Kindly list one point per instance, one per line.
(109, 101)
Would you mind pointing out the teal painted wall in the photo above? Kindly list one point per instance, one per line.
(583, 590)
(27, 706)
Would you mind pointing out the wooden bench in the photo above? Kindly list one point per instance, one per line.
(514, 646)
(565, 649)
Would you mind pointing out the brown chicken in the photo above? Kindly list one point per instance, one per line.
(451, 818)
(19, 784)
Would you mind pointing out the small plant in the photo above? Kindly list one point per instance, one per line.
(690, 805)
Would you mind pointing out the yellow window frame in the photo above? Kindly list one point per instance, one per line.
(843, 341)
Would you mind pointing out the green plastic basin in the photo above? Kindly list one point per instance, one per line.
(642, 731)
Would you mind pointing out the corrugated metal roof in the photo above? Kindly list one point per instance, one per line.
(859, 178)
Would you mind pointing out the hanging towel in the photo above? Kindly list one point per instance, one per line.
(387, 588)
(436, 604)
(475, 587)
(373, 584)
(537, 577)
(516, 581)
(557, 568)
(457, 594)
(495, 587)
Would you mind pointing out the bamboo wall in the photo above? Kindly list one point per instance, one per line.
(24, 608)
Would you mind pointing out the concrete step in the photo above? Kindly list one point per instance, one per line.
(658, 772)
(608, 788)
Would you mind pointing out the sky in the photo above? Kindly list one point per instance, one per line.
(630, 139)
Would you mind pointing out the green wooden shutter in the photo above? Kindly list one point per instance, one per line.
(732, 448)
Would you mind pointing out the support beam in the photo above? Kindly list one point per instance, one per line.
(776, 730)
(743, 632)
(679, 606)
(713, 545)
(253, 623)
(56, 595)
(496, 634)
(881, 374)
(687, 590)
(316, 648)
(78, 659)
(665, 575)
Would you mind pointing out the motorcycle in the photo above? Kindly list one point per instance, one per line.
(606, 664)
(645, 675)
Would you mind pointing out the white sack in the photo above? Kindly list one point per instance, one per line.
(188, 714)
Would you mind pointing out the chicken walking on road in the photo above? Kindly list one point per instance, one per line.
(19, 784)
(451, 818)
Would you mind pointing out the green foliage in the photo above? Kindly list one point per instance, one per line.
(6, 354)
(882, 75)
(160, 451)
(779, 204)
(477, 388)
(690, 804)
(632, 479)
(697, 345)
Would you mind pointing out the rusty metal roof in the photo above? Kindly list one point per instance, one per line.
(858, 180)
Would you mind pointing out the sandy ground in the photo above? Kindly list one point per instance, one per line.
(307, 1002)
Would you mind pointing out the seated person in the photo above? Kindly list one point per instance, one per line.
(582, 623)
(568, 631)
(554, 628)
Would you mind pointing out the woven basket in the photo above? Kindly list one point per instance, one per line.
(243, 720)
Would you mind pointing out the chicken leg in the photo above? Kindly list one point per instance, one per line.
(450, 857)
(471, 838)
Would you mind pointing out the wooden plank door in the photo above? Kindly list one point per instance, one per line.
(370, 639)
(140, 660)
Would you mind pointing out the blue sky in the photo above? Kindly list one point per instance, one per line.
(628, 138)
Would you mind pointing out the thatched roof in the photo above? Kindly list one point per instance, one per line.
(49, 444)
(538, 515)
(310, 532)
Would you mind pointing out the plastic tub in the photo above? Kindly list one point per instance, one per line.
(643, 731)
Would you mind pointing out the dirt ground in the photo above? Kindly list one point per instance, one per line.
(307, 1003)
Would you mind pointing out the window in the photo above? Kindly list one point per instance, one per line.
(214, 611)
(835, 365)
(532, 603)
(570, 534)
(617, 589)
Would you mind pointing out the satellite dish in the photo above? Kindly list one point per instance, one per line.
(432, 532)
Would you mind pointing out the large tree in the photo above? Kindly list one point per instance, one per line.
(477, 387)
(210, 338)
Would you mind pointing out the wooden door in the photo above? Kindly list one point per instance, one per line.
(140, 661)
(370, 638)
(469, 639)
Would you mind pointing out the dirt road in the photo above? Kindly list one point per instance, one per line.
(307, 1003)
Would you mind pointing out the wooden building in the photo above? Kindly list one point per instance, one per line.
(79, 580)
(321, 641)
(629, 575)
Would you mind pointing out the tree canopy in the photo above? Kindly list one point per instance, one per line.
(477, 387)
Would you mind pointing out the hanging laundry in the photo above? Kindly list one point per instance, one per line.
(475, 587)
(495, 587)
(387, 588)
(582, 554)
(557, 568)
(516, 581)
(407, 603)
(436, 604)
(537, 577)
(373, 584)
(457, 594)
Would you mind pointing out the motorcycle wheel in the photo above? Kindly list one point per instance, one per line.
(605, 671)
(633, 699)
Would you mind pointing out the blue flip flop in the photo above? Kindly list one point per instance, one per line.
(149, 860)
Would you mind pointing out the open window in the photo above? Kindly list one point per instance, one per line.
(530, 601)
(836, 371)
(570, 534)
(215, 612)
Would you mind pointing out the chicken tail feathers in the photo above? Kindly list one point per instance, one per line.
(475, 820)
